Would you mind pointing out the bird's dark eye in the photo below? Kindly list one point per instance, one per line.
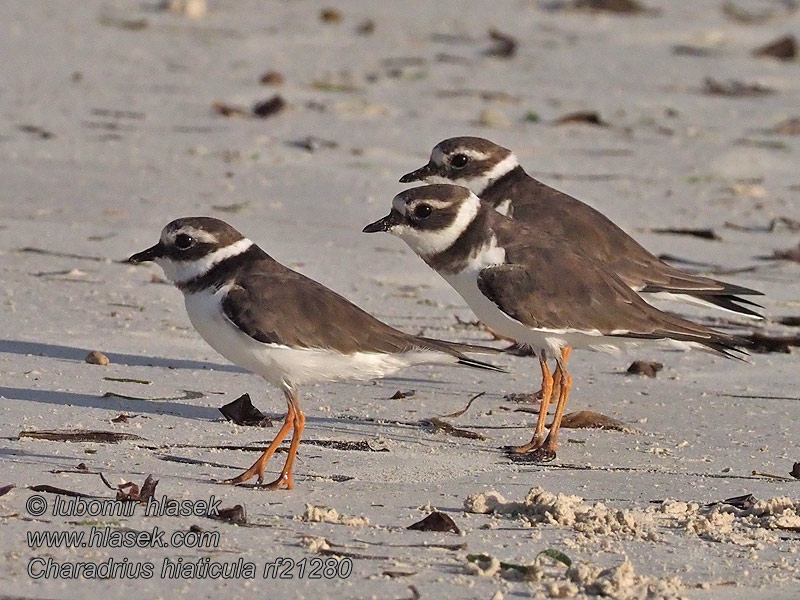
(183, 241)
(459, 161)
(422, 211)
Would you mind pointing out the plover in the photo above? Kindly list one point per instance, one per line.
(494, 174)
(533, 287)
(281, 325)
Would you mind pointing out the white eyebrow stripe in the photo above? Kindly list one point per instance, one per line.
(476, 154)
(438, 204)
(198, 234)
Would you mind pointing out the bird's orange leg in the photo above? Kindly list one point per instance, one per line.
(539, 448)
(548, 449)
(547, 392)
(285, 478)
(257, 470)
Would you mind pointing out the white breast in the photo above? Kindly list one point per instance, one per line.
(279, 363)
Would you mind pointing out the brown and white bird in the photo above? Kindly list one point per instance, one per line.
(281, 325)
(494, 174)
(535, 288)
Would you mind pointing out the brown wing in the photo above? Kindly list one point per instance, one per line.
(560, 214)
(546, 285)
(309, 315)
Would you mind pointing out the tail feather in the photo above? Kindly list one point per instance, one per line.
(458, 350)
(688, 283)
(479, 364)
(731, 303)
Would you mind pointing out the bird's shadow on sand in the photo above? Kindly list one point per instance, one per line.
(132, 360)
(118, 405)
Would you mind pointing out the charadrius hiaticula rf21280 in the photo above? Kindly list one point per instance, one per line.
(534, 288)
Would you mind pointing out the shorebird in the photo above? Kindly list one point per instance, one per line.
(494, 174)
(281, 325)
(535, 288)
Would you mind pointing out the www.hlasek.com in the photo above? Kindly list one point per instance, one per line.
(115, 537)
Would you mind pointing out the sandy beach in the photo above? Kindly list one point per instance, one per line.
(118, 117)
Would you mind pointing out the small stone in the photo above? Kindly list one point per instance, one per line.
(493, 118)
(97, 358)
(366, 27)
(194, 9)
(643, 367)
(330, 15)
(272, 78)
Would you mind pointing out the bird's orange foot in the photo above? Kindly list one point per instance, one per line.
(534, 444)
(283, 480)
(257, 470)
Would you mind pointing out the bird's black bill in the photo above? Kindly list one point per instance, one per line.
(151, 253)
(384, 224)
(420, 174)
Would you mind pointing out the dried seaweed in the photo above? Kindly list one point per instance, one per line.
(187, 395)
(127, 380)
(505, 46)
(360, 446)
(702, 233)
(445, 427)
(458, 413)
(587, 419)
(49, 489)
(436, 521)
(235, 514)
(312, 143)
(228, 110)
(131, 492)
(79, 435)
(45, 252)
(783, 48)
(270, 107)
(588, 117)
(242, 412)
(792, 254)
(39, 132)
(734, 88)
(626, 7)
(122, 418)
(764, 343)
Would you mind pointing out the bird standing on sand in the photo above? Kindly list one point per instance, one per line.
(494, 174)
(534, 288)
(281, 325)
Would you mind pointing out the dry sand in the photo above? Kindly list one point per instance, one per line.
(109, 132)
